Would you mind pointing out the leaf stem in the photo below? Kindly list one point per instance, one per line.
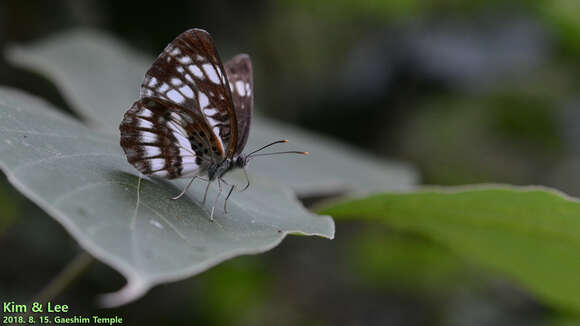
(65, 277)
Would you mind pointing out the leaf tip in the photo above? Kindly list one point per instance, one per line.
(131, 291)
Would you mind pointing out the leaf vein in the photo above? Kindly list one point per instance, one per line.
(56, 158)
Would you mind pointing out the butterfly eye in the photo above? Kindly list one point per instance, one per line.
(240, 162)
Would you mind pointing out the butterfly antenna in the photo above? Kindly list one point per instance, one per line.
(268, 145)
(276, 153)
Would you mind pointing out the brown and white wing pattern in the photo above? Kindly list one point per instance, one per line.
(189, 73)
(239, 73)
(162, 139)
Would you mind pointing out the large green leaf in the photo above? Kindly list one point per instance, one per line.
(530, 234)
(100, 77)
(82, 179)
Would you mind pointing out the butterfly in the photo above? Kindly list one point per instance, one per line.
(193, 116)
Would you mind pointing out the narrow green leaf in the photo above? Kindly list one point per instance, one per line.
(530, 234)
(82, 179)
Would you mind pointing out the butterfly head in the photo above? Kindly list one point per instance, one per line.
(217, 170)
(241, 161)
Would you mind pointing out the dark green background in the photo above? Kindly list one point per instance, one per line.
(468, 91)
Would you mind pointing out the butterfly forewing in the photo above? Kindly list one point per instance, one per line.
(239, 73)
(160, 138)
(189, 74)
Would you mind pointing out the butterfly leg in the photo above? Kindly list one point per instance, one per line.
(228, 196)
(215, 200)
(247, 179)
(205, 193)
(232, 187)
(184, 190)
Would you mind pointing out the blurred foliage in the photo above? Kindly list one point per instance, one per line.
(563, 15)
(398, 260)
(235, 293)
(390, 9)
(507, 136)
(526, 120)
(10, 205)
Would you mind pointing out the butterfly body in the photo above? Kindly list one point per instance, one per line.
(193, 116)
(218, 170)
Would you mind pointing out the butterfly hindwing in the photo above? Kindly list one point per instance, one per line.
(160, 138)
(189, 73)
(239, 73)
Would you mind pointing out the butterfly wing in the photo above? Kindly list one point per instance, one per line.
(239, 73)
(160, 138)
(189, 74)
